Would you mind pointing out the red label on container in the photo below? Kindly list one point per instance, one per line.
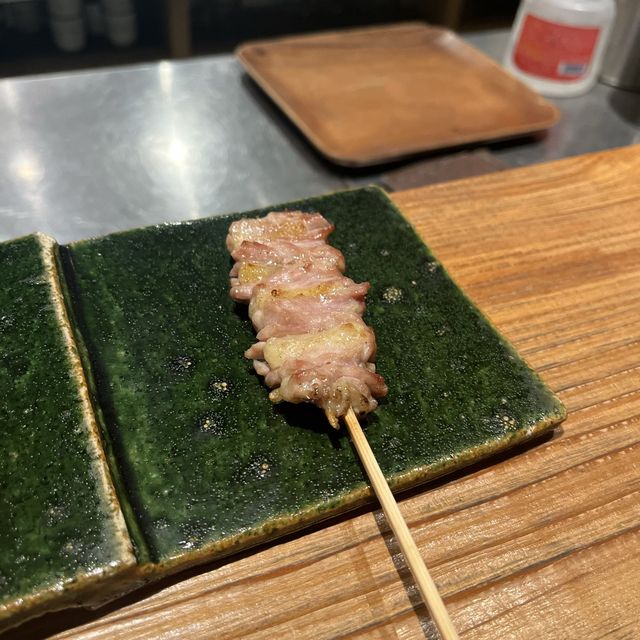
(553, 50)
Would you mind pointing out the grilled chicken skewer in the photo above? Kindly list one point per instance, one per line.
(313, 345)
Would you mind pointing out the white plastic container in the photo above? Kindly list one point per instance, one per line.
(557, 46)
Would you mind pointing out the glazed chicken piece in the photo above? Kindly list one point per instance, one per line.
(335, 386)
(313, 345)
(352, 341)
(257, 262)
(285, 225)
(281, 252)
(302, 300)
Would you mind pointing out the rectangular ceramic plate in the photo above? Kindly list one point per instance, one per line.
(62, 536)
(366, 96)
(208, 464)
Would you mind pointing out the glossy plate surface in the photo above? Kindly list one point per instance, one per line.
(208, 463)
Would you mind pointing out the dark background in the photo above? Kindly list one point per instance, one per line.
(181, 28)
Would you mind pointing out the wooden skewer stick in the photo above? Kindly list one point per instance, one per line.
(423, 579)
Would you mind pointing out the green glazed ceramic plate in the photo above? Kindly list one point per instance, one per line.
(204, 463)
(137, 440)
(63, 539)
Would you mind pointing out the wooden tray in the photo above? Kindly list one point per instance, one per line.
(371, 95)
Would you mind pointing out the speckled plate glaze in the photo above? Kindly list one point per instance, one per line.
(63, 538)
(205, 463)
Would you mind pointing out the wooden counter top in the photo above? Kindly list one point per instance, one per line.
(540, 543)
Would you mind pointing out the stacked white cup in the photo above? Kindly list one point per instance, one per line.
(67, 24)
(120, 22)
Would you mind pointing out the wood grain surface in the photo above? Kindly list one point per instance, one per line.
(540, 543)
(369, 95)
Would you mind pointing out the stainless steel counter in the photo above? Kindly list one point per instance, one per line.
(93, 152)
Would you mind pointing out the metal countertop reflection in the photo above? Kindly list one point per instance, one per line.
(88, 153)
